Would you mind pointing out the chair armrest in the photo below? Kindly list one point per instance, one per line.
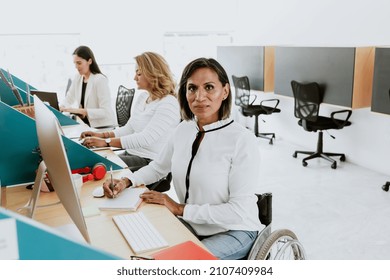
(253, 99)
(341, 123)
(274, 101)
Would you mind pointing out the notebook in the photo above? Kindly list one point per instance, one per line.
(46, 96)
(128, 199)
(184, 251)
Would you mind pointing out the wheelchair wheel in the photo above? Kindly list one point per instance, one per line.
(282, 244)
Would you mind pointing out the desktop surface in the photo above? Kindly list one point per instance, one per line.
(102, 230)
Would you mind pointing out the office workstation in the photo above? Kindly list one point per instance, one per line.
(59, 209)
(346, 206)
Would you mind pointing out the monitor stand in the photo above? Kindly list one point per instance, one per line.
(31, 205)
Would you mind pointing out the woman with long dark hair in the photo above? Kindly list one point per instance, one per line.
(89, 95)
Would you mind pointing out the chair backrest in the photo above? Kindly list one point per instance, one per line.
(264, 204)
(124, 101)
(307, 100)
(242, 88)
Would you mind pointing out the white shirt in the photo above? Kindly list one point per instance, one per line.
(97, 99)
(223, 178)
(149, 126)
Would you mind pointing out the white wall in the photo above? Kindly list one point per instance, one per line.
(118, 30)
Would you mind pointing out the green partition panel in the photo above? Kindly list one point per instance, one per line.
(37, 241)
(18, 141)
(18, 149)
(7, 96)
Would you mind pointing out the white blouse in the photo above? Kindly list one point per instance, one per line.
(149, 126)
(223, 178)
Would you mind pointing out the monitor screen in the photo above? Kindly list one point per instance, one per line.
(46, 96)
(57, 165)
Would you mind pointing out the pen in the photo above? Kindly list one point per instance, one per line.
(111, 183)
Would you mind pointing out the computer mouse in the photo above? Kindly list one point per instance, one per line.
(98, 192)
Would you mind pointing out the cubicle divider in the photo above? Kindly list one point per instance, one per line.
(26, 239)
(7, 96)
(19, 149)
(345, 73)
(381, 84)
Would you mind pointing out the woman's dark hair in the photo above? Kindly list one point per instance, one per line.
(186, 113)
(86, 53)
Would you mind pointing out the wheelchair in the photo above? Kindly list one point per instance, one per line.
(281, 244)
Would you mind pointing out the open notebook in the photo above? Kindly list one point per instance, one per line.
(128, 199)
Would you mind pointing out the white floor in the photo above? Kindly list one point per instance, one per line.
(337, 214)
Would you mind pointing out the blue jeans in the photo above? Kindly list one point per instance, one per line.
(229, 245)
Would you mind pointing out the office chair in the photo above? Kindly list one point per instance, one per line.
(247, 108)
(307, 100)
(124, 100)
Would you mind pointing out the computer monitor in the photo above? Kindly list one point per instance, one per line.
(47, 96)
(57, 165)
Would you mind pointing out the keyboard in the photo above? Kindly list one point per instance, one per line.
(141, 235)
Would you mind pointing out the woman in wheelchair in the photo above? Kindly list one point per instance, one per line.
(214, 163)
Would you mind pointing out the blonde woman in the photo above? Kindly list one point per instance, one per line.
(155, 114)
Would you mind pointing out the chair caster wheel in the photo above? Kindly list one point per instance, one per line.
(271, 142)
(385, 187)
(294, 155)
(334, 165)
(304, 163)
(342, 158)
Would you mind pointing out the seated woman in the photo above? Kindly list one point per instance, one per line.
(89, 95)
(214, 163)
(155, 114)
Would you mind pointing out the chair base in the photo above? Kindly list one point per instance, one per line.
(386, 186)
(320, 153)
(270, 136)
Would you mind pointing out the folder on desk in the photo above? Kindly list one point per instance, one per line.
(184, 251)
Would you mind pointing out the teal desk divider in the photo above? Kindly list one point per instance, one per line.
(9, 98)
(64, 120)
(37, 241)
(19, 140)
(6, 94)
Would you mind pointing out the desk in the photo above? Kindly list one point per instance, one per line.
(102, 230)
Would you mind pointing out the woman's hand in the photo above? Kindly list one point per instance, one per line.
(111, 192)
(163, 199)
(94, 142)
(77, 111)
(90, 134)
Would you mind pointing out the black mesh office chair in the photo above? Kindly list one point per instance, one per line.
(307, 100)
(247, 109)
(124, 100)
